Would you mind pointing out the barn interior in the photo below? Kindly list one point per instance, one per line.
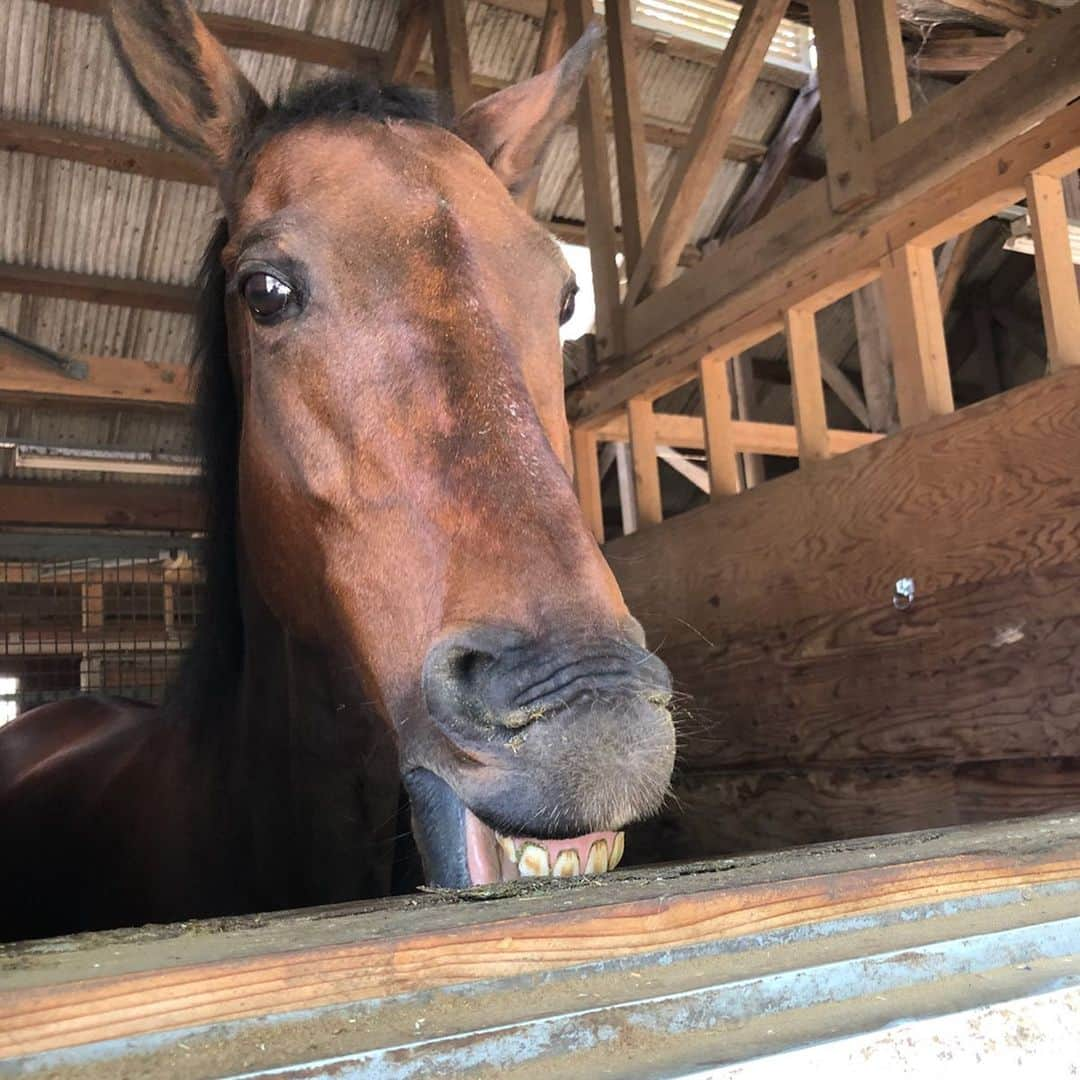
(823, 394)
(823, 410)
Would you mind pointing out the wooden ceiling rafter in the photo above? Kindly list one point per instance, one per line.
(939, 173)
(722, 104)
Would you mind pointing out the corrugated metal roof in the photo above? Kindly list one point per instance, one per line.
(56, 67)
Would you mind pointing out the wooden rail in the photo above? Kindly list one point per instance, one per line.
(1012, 130)
(80, 991)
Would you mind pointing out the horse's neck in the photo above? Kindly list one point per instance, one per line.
(318, 769)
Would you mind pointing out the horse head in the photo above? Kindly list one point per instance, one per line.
(402, 469)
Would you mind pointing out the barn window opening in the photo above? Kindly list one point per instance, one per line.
(9, 698)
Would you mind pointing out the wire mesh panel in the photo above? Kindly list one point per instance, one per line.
(107, 625)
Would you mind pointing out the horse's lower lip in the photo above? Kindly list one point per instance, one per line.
(491, 857)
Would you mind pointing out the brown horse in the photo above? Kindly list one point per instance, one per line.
(395, 545)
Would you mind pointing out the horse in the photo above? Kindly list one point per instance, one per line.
(402, 593)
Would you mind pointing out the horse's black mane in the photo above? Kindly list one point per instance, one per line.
(208, 677)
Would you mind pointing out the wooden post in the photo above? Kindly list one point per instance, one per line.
(845, 117)
(596, 189)
(917, 332)
(642, 426)
(450, 50)
(807, 392)
(719, 438)
(630, 160)
(909, 285)
(875, 357)
(884, 65)
(1054, 266)
(587, 480)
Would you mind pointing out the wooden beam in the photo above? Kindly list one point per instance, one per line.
(747, 436)
(553, 43)
(155, 508)
(963, 157)
(109, 378)
(953, 56)
(881, 47)
(1011, 14)
(845, 121)
(587, 480)
(950, 267)
(917, 335)
(719, 438)
(97, 289)
(18, 136)
(721, 106)
(807, 394)
(642, 428)
(631, 164)
(596, 188)
(1056, 272)
(875, 357)
(450, 49)
(414, 25)
(169, 986)
(772, 175)
(912, 307)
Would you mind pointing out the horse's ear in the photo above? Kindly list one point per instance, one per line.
(512, 128)
(183, 76)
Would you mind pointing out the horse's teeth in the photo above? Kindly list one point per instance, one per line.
(567, 864)
(597, 862)
(508, 848)
(616, 850)
(534, 861)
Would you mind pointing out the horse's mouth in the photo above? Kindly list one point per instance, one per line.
(491, 857)
(459, 850)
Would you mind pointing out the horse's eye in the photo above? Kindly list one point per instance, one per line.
(268, 297)
(566, 312)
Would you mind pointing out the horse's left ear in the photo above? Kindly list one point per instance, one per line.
(512, 128)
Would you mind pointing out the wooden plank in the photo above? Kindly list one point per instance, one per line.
(109, 378)
(807, 394)
(844, 117)
(97, 289)
(151, 507)
(894, 509)
(631, 164)
(771, 177)
(745, 811)
(917, 335)
(450, 49)
(721, 106)
(587, 480)
(719, 439)
(111, 987)
(1056, 272)
(963, 157)
(1011, 14)
(964, 678)
(642, 428)
(596, 189)
(414, 25)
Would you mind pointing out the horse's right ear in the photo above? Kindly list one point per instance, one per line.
(183, 76)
